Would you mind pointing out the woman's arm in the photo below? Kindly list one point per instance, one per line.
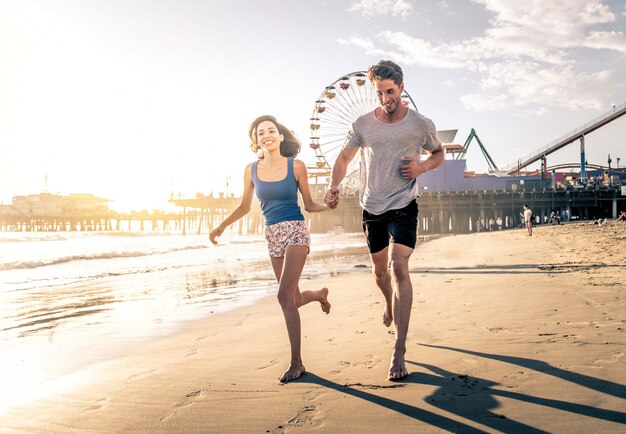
(303, 184)
(241, 210)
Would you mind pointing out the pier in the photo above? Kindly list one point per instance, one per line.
(439, 213)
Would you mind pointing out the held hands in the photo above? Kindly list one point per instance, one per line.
(331, 199)
(411, 168)
(216, 233)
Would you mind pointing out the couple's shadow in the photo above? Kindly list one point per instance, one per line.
(474, 399)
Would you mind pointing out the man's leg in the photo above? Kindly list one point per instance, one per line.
(380, 265)
(402, 303)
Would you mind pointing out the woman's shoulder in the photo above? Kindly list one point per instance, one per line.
(299, 165)
(247, 171)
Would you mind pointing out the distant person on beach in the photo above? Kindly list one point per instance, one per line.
(276, 178)
(622, 216)
(554, 218)
(499, 223)
(390, 140)
(527, 216)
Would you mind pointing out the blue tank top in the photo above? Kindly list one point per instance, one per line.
(279, 199)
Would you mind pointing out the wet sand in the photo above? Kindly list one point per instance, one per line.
(509, 333)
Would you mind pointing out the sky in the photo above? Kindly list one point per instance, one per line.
(134, 100)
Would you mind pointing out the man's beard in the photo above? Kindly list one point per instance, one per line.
(394, 107)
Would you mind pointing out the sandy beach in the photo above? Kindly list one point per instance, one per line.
(509, 333)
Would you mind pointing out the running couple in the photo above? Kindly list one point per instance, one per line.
(391, 140)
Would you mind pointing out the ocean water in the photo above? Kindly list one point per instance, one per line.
(71, 299)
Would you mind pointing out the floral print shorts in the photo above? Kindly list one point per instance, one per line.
(283, 234)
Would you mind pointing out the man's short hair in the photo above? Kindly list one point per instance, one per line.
(386, 70)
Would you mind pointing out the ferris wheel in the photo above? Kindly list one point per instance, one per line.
(340, 104)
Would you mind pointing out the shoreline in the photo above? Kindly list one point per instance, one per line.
(508, 333)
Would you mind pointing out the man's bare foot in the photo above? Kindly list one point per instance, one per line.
(387, 315)
(295, 371)
(324, 302)
(397, 368)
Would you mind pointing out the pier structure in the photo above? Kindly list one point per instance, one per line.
(469, 211)
(439, 212)
(205, 212)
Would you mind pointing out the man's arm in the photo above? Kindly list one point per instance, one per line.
(415, 168)
(337, 174)
(436, 159)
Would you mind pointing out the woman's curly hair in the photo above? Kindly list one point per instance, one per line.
(289, 147)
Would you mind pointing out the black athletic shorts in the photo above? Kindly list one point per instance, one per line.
(394, 226)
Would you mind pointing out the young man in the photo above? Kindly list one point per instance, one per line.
(527, 215)
(390, 140)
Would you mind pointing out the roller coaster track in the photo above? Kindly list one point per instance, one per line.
(572, 136)
(588, 166)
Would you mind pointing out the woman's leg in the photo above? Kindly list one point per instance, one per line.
(293, 263)
(304, 297)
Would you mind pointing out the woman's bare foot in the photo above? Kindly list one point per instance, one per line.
(387, 315)
(295, 371)
(324, 301)
(397, 368)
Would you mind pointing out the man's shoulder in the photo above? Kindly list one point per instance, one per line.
(418, 117)
(365, 118)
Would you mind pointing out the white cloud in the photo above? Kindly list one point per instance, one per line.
(611, 40)
(526, 56)
(524, 84)
(371, 8)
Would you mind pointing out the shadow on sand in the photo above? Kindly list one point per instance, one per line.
(475, 399)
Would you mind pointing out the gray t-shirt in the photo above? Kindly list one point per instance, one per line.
(382, 147)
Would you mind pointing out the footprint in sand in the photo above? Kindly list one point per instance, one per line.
(312, 395)
(369, 363)
(613, 359)
(199, 338)
(343, 365)
(242, 321)
(183, 404)
(98, 405)
(192, 352)
(269, 364)
(140, 374)
(305, 418)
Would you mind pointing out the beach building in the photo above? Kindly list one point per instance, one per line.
(38, 205)
(46, 211)
(56, 205)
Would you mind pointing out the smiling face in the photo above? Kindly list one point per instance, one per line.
(388, 94)
(268, 137)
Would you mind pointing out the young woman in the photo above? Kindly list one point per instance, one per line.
(276, 177)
